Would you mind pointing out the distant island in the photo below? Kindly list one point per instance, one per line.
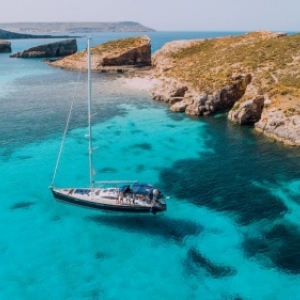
(8, 35)
(74, 27)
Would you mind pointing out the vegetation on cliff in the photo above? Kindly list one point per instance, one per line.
(116, 46)
(273, 60)
(133, 51)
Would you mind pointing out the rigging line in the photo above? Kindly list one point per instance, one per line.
(65, 131)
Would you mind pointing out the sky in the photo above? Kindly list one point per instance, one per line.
(162, 15)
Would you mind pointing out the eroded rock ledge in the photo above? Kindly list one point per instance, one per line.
(181, 98)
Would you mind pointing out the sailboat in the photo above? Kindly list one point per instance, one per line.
(125, 196)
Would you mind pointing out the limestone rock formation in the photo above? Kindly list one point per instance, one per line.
(169, 91)
(119, 55)
(193, 103)
(5, 46)
(248, 112)
(280, 125)
(57, 49)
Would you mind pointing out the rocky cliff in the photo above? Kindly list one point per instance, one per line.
(255, 76)
(57, 49)
(116, 55)
(5, 46)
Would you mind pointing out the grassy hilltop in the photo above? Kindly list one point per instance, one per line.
(128, 51)
(208, 65)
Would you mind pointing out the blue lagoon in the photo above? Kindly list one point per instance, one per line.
(235, 235)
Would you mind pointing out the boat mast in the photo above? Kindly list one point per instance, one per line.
(89, 112)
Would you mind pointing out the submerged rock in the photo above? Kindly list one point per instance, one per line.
(22, 205)
(57, 49)
(214, 270)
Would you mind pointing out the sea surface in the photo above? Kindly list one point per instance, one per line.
(231, 230)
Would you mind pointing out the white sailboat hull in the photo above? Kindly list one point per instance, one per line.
(108, 199)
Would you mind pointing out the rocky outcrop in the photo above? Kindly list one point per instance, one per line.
(5, 46)
(254, 75)
(57, 49)
(280, 126)
(137, 56)
(119, 55)
(248, 112)
(169, 91)
(222, 100)
(198, 104)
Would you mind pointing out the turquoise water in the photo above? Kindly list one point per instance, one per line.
(232, 226)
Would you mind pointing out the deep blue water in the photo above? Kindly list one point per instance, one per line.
(232, 226)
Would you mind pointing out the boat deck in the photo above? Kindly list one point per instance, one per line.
(109, 196)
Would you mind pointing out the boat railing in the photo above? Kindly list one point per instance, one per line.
(115, 183)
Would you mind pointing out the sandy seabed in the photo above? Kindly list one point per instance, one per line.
(140, 83)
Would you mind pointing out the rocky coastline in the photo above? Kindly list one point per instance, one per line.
(56, 49)
(263, 92)
(254, 77)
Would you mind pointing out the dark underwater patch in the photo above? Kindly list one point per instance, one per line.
(108, 170)
(255, 246)
(236, 298)
(176, 116)
(204, 183)
(197, 260)
(24, 157)
(100, 255)
(165, 227)
(225, 178)
(286, 238)
(22, 205)
(280, 244)
(56, 218)
(170, 125)
(140, 168)
(143, 146)
(135, 131)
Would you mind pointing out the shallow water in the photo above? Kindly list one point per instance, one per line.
(232, 226)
